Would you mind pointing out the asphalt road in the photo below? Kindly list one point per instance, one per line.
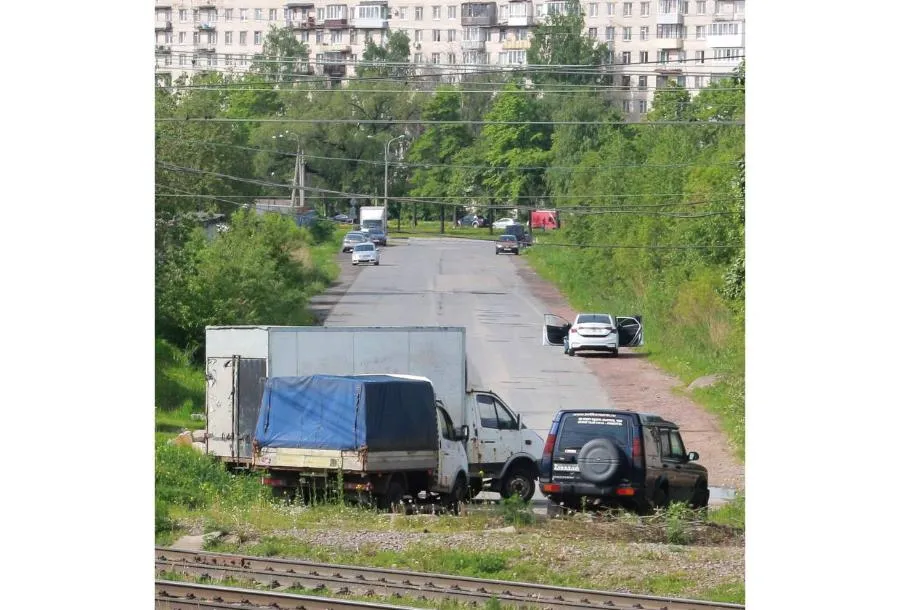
(455, 282)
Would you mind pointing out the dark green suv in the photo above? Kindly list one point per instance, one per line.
(621, 458)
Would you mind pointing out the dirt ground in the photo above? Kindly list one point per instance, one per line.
(633, 383)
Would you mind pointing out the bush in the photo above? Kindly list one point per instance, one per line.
(516, 511)
(180, 386)
(188, 478)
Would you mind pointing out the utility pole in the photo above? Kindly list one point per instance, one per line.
(298, 194)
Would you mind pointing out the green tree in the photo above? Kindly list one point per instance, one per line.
(284, 59)
(393, 55)
(560, 41)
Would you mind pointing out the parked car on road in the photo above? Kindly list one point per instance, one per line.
(365, 253)
(377, 236)
(342, 218)
(471, 220)
(634, 460)
(523, 236)
(503, 223)
(351, 239)
(507, 243)
(593, 332)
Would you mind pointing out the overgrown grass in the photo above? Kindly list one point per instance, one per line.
(180, 386)
(689, 332)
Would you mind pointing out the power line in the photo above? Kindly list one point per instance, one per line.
(362, 121)
(435, 199)
(460, 166)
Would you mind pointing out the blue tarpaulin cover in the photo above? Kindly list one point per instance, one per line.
(380, 412)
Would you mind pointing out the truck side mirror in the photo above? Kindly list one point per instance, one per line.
(693, 456)
(462, 433)
(518, 421)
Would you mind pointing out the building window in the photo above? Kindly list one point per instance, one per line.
(626, 82)
(257, 38)
(611, 8)
(182, 15)
(642, 83)
(645, 32)
(320, 14)
(700, 56)
(418, 58)
(337, 36)
(626, 9)
(451, 14)
(729, 54)
(435, 14)
(196, 39)
(592, 33)
(273, 14)
(626, 105)
(420, 11)
(593, 9)
(417, 36)
(642, 106)
(257, 14)
(667, 7)
(610, 33)
(626, 57)
(644, 57)
(229, 14)
(698, 82)
(243, 14)
(683, 7)
(626, 33)
(228, 36)
(700, 32)
(320, 36)
(404, 12)
(645, 9)
(451, 58)
(662, 56)
(451, 35)
(212, 38)
(701, 7)
(435, 35)
(181, 37)
(435, 58)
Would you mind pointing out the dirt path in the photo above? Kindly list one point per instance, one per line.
(633, 383)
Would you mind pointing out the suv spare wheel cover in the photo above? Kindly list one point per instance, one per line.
(599, 460)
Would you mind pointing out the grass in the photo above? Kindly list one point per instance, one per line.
(689, 332)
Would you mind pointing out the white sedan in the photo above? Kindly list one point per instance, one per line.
(365, 253)
(503, 223)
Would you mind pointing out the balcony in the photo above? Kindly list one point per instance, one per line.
(337, 24)
(670, 43)
(520, 21)
(472, 45)
(334, 50)
(301, 24)
(306, 4)
(163, 49)
(206, 26)
(163, 26)
(514, 45)
(726, 16)
(335, 70)
(206, 48)
(675, 18)
(727, 40)
(208, 4)
(478, 14)
(375, 17)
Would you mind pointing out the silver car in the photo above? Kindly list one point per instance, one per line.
(351, 239)
(365, 253)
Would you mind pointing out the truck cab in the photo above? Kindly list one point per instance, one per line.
(503, 452)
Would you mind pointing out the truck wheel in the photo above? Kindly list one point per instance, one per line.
(457, 495)
(517, 483)
(475, 487)
(393, 498)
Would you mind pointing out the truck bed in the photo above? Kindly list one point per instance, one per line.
(319, 460)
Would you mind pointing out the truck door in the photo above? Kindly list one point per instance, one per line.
(233, 394)
(452, 454)
(497, 436)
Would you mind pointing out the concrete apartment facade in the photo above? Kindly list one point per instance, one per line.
(653, 41)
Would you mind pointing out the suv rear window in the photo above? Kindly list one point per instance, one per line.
(578, 428)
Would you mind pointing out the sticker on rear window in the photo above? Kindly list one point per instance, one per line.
(600, 420)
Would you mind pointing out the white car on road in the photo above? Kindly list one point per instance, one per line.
(599, 332)
(365, 253)
(503, 223)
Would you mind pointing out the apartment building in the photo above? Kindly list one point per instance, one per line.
(653, 41)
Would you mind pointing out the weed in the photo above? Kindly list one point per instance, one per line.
(678, 516)
(516, 511)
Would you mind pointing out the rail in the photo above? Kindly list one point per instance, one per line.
(283, 574)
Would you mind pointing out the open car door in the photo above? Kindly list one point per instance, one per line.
(555, 329)
(631, 331)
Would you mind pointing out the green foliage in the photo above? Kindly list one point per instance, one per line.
(732, 514)
(560, 40)
(188, 478)
(180, 386)
(283, 59)
(392, 54)
(516, 511)
(678, 517)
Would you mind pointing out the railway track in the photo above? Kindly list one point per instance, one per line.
(278, 575)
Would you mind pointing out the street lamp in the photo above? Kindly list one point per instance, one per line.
(299, 175)
(387, 146)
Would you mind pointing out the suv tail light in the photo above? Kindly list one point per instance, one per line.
(637, 451)
(548, 446)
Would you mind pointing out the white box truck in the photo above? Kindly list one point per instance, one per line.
(503, 453)
(373, 217)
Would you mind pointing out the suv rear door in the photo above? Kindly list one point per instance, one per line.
(555, 329)
(576, 430)
(682, 477)
(631, 331)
